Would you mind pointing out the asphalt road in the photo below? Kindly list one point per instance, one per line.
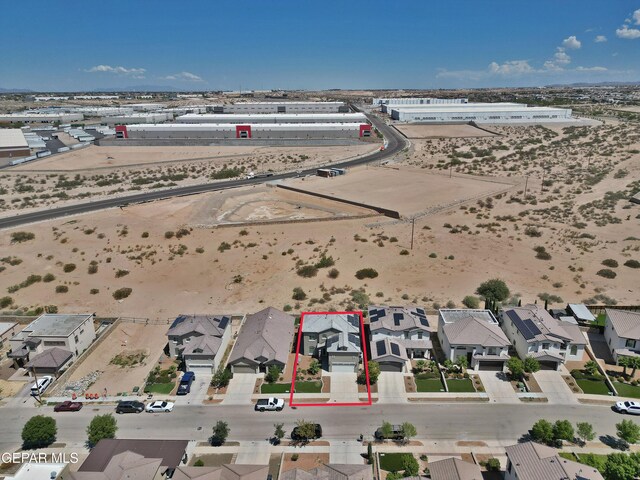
(452, 421)
(395, 144)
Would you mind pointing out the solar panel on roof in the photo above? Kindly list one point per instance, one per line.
(532, 327)
(420, 311)
(354, 320)
(177, 321)
(224, 321)
(380, 348)
(424, 321)
(397, 318)
(395, 349)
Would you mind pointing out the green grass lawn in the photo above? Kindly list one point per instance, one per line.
(626, 390)
(164, 388)
(301, 387)
(462, 385)
(600, 319)
(594, 387)
(392, 462)
(592, 459)
(428, 384)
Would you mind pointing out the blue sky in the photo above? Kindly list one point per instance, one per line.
(263, 44)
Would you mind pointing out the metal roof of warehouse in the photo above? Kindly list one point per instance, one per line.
(228, 126)
(12, 137)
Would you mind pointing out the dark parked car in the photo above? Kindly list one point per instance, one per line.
(130, 406)
(295, 433)
(396, 433)
(68, 406)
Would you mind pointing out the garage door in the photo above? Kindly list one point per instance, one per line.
(490, 366)
(547, 365)
(243, 369)
(390, 367)
(343, 367)
(202, 369)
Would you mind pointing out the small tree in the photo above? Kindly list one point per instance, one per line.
(39, 431)
(220, 433)
(306, 429)
(624, 363)
(386, 429)
(628, 431)
(563, 430)
(374, 372)
(278, 434)
(102, 426)
(272, 374)
(516, 367)
(409, 431)
(494, 290)
(462, 362)
(470, 301)
(620, 466)
(410, 465)
(493, 465)
(221, 378)
(369, 453)
(584, 431)
(591, 367)
(634, 363)
(531, 365)
(542, 431)
(314, 367)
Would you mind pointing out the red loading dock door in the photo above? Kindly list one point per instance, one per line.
(243, 131)
(121, 131)
(365, 130)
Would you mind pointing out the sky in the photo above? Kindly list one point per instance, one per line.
(298, 44)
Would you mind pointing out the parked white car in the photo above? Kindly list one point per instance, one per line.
(159, 406)
(632, 408)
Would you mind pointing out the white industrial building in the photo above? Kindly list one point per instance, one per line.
(13, 143)
(150, 117)
(492, 113)
(274, 118)
(417, 101)
(38, 117)
(281, 107)
(186, 131)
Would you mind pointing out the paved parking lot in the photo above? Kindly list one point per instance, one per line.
(554, 387)
(498, 387)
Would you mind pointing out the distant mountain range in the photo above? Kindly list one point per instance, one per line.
(140, 88)
(595, 84)
(15, 90)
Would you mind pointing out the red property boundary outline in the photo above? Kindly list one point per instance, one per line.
(364, 359)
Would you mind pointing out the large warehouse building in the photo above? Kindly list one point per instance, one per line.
(480, 113)
(217, 131)
(274, 118)
(417, 101)
(150, 117)
(281, 107)
(31, 117)
(13, 144)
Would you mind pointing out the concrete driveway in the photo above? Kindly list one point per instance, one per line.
(198, 393)
(254, 453)
(498, 387)
(554, 387)
(343, 387)
(391, 388)
(240, 388)
(346, 452)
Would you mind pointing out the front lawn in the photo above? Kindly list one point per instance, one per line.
(426, 383)
(392, 462)
(595, 387)
(626, 390)
(301, 387)
(163, 388)
(592, 459)
(460, 385)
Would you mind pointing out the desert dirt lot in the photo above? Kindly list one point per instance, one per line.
(126, 338)
(441, 131)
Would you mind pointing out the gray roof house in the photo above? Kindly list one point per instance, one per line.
(622, 333)
(264, 340)
(223, 472)
(475, 335)
(200, 340)
(532, 461)
(534, 332)
(409, 329)
(331, 471)
(51, 361)
(454, 469)
(334, 338)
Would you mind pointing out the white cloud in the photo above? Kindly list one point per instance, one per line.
(561, 57)
(628, 33)
(185, 76)
(600, 39)
(513, 67)
(571, 42)
(636, 16)
(131, 72)
(591, 69)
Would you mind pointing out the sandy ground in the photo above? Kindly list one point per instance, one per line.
(128, 337)
(441, 131)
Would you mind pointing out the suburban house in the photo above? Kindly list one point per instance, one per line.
(7, 330)
(223, 472)
(264, 340)
(116, 459)
(398, 328)
(533, 461)
(535, 333)
(454, 469)
(622, 333)
(72, 334)
(200, 340)
(331, 471)
(333, 338)
(475, 335)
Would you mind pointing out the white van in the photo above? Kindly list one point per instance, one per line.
(41, 385)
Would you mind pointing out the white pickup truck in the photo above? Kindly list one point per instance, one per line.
(270, 403)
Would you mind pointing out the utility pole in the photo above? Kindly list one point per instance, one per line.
(413, 227)
(526, 182)
(542, 185)
(35, 376)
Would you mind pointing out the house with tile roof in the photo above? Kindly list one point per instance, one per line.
(227, 471)
(454, 469)
(622, 333)
(475, 335)
(535, 333)
(334, 339)
(265, 339)
(331, 471)
(405, 327)
(200, 340)
(533, 461)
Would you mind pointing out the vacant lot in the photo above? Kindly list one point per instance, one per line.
(442, 131)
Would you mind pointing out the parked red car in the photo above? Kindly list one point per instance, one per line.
(68, 407)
